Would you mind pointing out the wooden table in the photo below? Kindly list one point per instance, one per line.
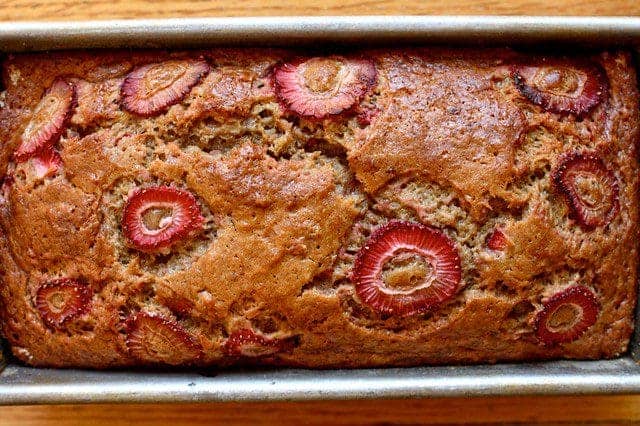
(526, 410)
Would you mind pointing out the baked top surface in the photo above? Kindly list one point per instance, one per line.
(288, 201)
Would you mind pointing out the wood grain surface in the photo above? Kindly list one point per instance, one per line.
(604, 410)
(477, 411)
(105, 9)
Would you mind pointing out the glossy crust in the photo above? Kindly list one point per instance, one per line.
(444, 139)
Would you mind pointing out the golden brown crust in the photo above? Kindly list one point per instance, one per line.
(447, 123)
(444, 138)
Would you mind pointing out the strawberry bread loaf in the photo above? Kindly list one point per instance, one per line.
(324, 210)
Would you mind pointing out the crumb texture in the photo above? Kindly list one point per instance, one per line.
(369, 208)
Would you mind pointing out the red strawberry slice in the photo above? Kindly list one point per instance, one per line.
(151, 89)
(319, 87)
(155, 218)
(247, 343)
(406, 268)
(589, 188)
(560, 86)
(47, 162)
(48, 119)
(496, 240)
(152, 338)
(61, 300)
(566, 315)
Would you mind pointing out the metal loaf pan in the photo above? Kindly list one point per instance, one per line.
(23, 385)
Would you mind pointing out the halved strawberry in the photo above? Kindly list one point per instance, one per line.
(247, 343)
(156, 217)
(152, 338)
(61, 300)
(563, 86)
(319, 87)
(496, 240)
(48, 119)
(150, 89)
(406, 268)
(566, 315)
(589, 188)
(47, 162)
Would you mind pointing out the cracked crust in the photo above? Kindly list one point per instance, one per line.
(445, 138)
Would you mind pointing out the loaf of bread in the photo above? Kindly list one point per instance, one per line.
(326, 210)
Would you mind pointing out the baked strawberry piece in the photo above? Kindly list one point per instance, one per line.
(5, 187)
(248, 343)
(48, 120)
(61, 300)
(154, 218)
(496, 240)
(589, 188)
(560, 86)
(406, 268)
(152, 338)
(566, 315)
(47, 162)
(366, 114)
(319, 87)
(150, 89)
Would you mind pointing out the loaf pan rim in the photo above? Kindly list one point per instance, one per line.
(305, 30)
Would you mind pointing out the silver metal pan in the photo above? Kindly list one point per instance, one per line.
(23, 385)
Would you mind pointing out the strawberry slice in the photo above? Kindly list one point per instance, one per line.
(48, 119)
(566, 315)
(496, 240)
(589, 188)
(154, 339)
(47, 162)
(247, 343)
(406, 268)
(560, 86)
(150, 89)
(61, 300)
(156, 217)
(319, 87)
